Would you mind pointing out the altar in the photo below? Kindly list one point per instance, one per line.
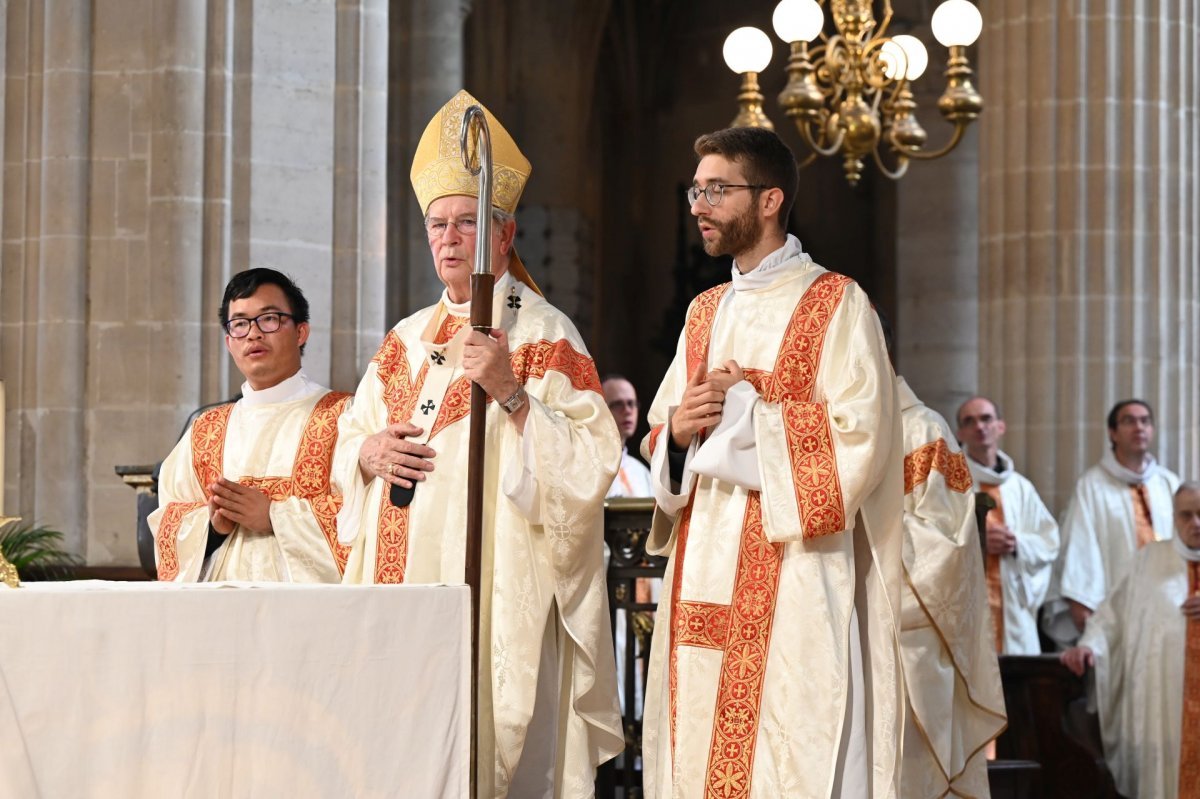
(150, 690)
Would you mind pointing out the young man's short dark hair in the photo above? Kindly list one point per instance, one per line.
(244, 284)
(763, 157)
(1114, 416)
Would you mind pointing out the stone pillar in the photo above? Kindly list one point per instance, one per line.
(937, 257)
(426, 70)
(1089, 215)
(45, 251)
(152, 148)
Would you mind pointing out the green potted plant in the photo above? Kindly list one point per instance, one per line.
(35, 551)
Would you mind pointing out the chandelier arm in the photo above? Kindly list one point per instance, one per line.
(902, 163)
(814, 146)
(812, 156)
(928, 155)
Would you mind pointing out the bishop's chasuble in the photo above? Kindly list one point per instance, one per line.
(774, 665)
(951, 675)
(1113, 513)
(544, 606)
(1138, 635)
(279, 440)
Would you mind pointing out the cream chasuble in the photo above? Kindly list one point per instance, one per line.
(1138, 635)
(544, 609)
(279, 440)
(952, 677)
(1099, 537)
(1025, 574)
(774, 667)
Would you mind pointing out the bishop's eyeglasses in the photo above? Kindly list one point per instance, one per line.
(715, 192)
(267, 322)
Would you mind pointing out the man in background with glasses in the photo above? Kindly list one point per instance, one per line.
(245, 493)
(633, 478)
(777, 465)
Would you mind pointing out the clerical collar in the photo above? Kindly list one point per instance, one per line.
(1186, 552)
(295, 387)
(1110, 464)
(464, 308)
(994, 475)
(790, 256)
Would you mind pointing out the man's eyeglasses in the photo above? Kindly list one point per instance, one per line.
(715, 192)
(623, 404)
(436, 228)
(267, 322)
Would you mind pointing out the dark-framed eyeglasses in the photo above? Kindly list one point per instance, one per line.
(623, 404)
(267, 322)
(715, 192)
(435, 228)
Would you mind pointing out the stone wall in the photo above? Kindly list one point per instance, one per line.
(151, 149)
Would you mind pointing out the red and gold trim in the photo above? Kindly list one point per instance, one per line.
(700, 323)
(400, 393)
(655, 432)
(534, 359)
(936, 455)
(528, 361)
(167, 541)
(742, 630)
(1189, 754)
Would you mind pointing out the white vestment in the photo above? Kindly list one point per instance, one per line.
(774, 665)
(1138, 635)
(1099, 537)
(543, 599)
(951, 675)
(1025, 574)
(632, 480)
(279, 440)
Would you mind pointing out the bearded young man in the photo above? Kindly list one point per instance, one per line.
(776, 458)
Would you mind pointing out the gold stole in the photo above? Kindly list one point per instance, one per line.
(1143, 525)
(1189, 737)
(992, 569)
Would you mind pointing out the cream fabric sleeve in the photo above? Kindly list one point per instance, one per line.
(855, 398)
(182, 512)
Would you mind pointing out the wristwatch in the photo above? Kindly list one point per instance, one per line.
(515, 402)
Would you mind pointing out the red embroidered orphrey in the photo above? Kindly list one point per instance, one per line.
(309, 479)
(742, 629)
(1189, 755)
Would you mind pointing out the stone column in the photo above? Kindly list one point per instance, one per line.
(937, 257)
(426, 70)
(1089, 212)
(43, 336)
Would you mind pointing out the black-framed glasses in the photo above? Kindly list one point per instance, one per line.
(267, 322)
(715, 192)
(436, 228)
(623, 404)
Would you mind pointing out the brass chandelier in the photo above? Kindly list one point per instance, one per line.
(851, 94)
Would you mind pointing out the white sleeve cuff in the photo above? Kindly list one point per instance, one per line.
(730, 454)
(520, 483)
(667, 500)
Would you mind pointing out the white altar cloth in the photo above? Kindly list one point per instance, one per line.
(231, 690)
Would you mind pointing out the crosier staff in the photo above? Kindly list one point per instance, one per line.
(478, 161)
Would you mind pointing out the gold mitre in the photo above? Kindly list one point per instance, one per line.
(438, 170)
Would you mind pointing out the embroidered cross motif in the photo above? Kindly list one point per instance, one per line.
(427, 407)
(514, 301)
(438, 357)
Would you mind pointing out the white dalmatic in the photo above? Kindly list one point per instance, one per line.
(777, 630)
(279, 440)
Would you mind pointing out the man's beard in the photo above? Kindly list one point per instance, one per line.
(736, 236)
